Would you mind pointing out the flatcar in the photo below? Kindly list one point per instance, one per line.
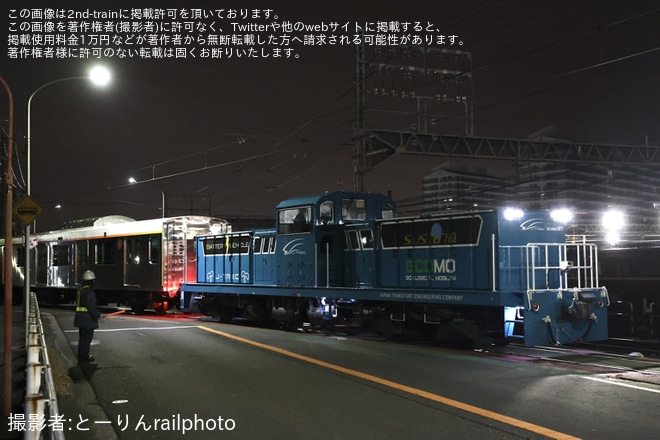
(345, 258)
(139, 264)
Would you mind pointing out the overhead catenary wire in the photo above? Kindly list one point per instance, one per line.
(483, 9)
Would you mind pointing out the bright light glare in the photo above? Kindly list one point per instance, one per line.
(612, 237)
(99, 75)
(132, 180)
(613, 220)
(561, 215)
(513, 214)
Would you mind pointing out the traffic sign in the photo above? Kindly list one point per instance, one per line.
(27, 210)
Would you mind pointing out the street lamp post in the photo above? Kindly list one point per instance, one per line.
(99, 76)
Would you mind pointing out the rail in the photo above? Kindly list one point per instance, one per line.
(40, 396)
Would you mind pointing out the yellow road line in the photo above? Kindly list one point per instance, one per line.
(406, 389)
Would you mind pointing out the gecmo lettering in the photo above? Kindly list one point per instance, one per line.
(420, 266)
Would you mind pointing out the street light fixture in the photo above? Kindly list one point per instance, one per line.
(99, 76)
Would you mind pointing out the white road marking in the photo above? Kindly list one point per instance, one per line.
(611, 382)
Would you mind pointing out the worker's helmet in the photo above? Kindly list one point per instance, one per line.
(89, 276)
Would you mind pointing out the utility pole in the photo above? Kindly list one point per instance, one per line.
(358, 131)
(8, 255)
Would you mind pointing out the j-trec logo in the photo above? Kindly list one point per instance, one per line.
(294, 247)
(537, 224)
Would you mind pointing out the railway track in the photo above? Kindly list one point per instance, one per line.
(610, 360)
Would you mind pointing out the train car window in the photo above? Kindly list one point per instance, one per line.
(60, 255)
(81, 253)
(387, 211)
(154, 250)
(271, 245)
(20, 256)
(104, 251)
(353, 209)
(129, 246)
(367, 239)
(258, 242)
(295, 220)
(133, 251)
(327, 212)
(41, 255)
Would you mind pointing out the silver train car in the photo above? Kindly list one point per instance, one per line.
(139, 264)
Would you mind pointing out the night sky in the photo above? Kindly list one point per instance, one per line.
(584, 71)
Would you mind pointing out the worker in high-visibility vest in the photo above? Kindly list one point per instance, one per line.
(87, 316)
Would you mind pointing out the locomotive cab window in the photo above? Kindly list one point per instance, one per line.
(367, 239)
(295, 220)
(327, 212)
(387, 211)
(353, 209)
(352, 240)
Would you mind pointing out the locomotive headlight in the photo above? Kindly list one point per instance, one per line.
(561, 215)
(613, 237)
(513, 213)
(613, 220)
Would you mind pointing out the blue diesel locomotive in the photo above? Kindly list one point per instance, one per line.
(345, 258)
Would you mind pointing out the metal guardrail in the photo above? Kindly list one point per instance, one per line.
(40, 395)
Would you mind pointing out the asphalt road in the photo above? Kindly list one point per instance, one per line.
(189, 378)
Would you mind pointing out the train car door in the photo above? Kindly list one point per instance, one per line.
(82, 260)
(41, 264)
(330, 256)
(60, 271)
(132, 261)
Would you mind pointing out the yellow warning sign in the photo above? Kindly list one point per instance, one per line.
(27, 210)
